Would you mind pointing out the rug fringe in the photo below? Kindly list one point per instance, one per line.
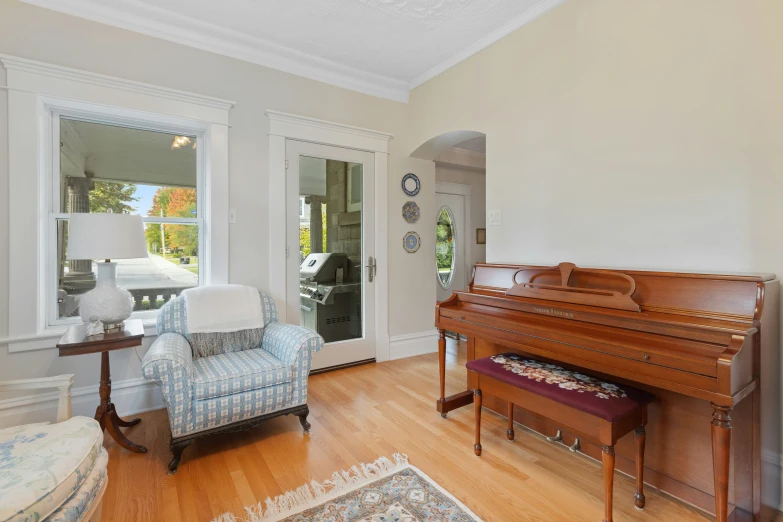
(309, 494)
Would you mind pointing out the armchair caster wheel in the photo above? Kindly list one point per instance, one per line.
(443, 415)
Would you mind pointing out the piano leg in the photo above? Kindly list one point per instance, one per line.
(442, 366)
(458, 400)
(721, 455)
(607, 459)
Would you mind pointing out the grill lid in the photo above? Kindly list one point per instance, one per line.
(323, 267)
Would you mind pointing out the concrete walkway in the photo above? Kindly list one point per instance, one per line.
(152, 272)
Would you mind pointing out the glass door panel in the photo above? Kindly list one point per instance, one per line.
(330, 198)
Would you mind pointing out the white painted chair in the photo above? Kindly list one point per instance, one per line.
(52, 472)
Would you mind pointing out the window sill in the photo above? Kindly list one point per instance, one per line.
(49, 337)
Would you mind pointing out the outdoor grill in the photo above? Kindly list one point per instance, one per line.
(330, 290)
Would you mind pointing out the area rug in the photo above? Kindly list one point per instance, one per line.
(384, 491)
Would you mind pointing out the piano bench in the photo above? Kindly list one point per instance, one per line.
(600, 411)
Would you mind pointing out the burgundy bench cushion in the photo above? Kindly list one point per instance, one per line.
(591, 395)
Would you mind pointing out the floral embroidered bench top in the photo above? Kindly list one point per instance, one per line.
(595, 396)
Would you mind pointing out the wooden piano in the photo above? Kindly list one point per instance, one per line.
(697, 341)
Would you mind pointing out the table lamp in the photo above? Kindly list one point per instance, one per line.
(106, 236)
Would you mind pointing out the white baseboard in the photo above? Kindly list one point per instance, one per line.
(409, 345)
(772, 479)
(130, 397)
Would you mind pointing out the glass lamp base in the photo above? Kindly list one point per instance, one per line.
(106, 303)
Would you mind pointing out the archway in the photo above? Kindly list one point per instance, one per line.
(432, 148)
(460, 205)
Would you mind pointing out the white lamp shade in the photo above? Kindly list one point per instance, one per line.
(106, 236)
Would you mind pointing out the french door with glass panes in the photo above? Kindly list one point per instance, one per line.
(330, 265)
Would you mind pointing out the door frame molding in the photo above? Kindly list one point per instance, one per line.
(284, 126)
(460, 189)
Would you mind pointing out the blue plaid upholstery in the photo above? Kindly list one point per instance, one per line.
(235, 372)
(169, 362)
(226, 388)
(294, 345)
(220, 411)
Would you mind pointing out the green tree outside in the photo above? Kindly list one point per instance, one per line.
(116, 197)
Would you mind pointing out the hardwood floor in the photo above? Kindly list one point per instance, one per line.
(357, 415)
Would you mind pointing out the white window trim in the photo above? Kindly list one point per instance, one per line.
(284, 126)
(34, 90)
(53, 112)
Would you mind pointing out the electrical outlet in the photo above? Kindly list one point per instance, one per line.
(232, 215)
(494, 218)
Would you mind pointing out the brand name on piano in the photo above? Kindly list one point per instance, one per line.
(552, 311)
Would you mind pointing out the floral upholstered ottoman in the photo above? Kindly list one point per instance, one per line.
(51, 472)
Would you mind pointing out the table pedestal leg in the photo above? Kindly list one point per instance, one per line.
(107, 416)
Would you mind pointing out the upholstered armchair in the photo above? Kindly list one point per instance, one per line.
(237, 387)
(52, 472)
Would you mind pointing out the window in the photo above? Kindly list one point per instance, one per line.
(444, 247)
(110, 166)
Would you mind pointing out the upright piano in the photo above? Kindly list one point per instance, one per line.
(699, 342)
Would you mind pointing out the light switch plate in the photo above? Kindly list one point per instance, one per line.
(494, 217)
(232, 215)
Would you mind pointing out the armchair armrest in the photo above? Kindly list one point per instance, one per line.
(63, 384)
(168, 353)
(288, 341)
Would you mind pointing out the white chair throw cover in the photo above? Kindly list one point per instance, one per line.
(221, 316)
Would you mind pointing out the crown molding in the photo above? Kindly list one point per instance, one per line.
(159, 23)
(156, 22)
(514, 24)
(14, 63)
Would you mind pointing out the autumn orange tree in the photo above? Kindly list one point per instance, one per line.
(173, 202)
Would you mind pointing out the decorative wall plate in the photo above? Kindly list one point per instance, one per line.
(411, 184)
(411, 212)
(411, 242)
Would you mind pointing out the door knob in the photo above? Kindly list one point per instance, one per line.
(372, 268)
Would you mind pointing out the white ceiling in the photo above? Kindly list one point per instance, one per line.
(380, 47)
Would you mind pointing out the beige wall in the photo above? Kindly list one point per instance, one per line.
(630, 134)
(412, 276)
(48, 36)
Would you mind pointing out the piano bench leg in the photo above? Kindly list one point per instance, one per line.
(477, 409)
(607, 460)
(510, 430)
(639, 436)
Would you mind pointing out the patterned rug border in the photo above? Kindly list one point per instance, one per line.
(316, 493)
